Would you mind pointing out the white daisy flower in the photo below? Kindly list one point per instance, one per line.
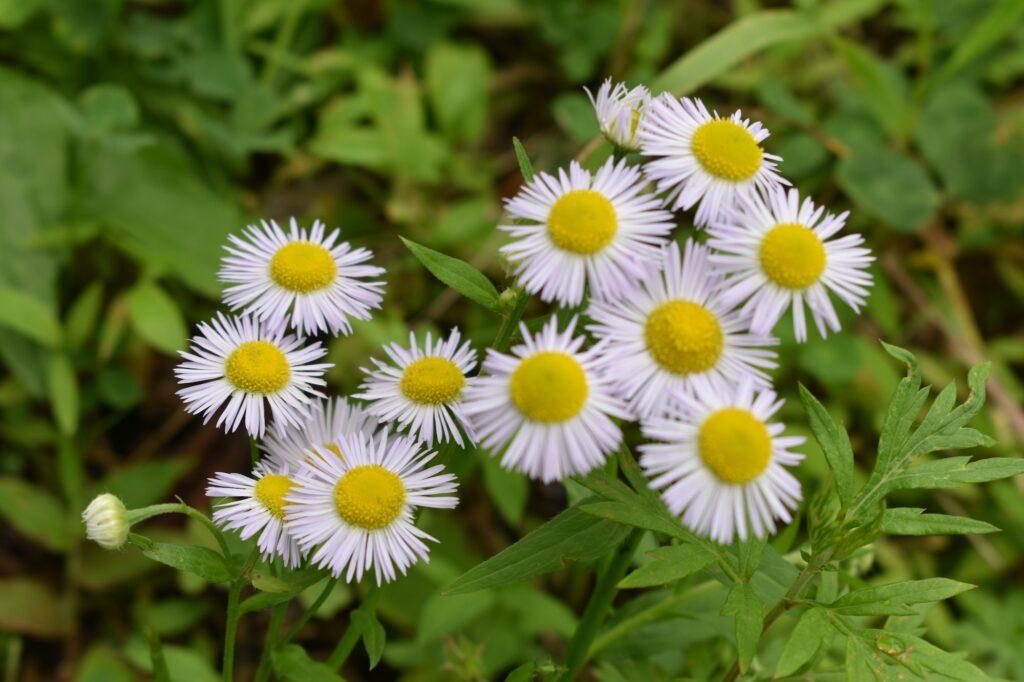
(301, 278)
(546, 408)
(355, 513)
(720, 464)
(239, 361)
(421, 389)
(328, 421)
(675, 334)
(780, 254)
(619, 111)
(705, 158)
(578, 229)
(258, 505)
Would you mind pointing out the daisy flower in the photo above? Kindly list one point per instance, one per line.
(238, 361)
(674, 333)
(721, 465)
(779, 253)
(355, 513)
(619, 111)
(421, 389)
(328, 421)
(704, 158)
(257, 505)
(546, 408)
(301, 278)
(580, 229)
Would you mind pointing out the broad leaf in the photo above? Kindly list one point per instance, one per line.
(28, 316)
(35, 513)
(156, 318)
(199, 561)
(744, 606)
(457, 274)
(912, 521)
(804, 641)
(669, 564)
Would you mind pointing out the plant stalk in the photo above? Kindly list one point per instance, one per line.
(348, 641)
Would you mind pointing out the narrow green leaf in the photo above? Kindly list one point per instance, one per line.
(834, 442)
(28, 316)
(912, 521)
(457, 274)
(669, 564)
(804, 641)
(744, 606)
(525, 167)
(291, 663)
(372, 632)
(882, 87)
(80, 323)
(636, 516)
(35, 513)
(62, 388)
(573, 535)
(895, 598)
(156, 318)
(997, 24)
(199, 561)
(950, 472)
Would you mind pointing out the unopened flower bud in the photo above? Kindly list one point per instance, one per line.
(106, 521)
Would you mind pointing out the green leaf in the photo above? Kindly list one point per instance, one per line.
(156, 318)
(747, 611)
(31, 608)
(882, 87)
(80, 323)
(372, 633)
(62, 387)
(457, 78)
(903, 409)
(193, 559)
(997, 24)
(101, 664)
(525, 167)
(668, 565)
(636, 516)
(446, 614)
(457, 274)
(950, 472)
(292, 664)
(275, 591)
(573, 535)
(35, 513)
(895, 599)
(912, 521)
(146, 482)
(834, 442)
(509, 490)
(28, 316)
(804, 641)
(889, 186)
(945, 665)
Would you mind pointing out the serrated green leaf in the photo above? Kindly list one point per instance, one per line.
(193, 559)
(895, 598)
(747, 610)
(668, 565)
(834, 442)
(950, 472)
(913, 521)
(28, 316)
(573, 535)
(35, 513)
(804, 641)
(458, 274)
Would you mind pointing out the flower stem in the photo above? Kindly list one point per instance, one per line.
(348, 641)
(273, 628)
(139, 515)
(310, 612)
(600, 601)
(231, 630)
(509, 323)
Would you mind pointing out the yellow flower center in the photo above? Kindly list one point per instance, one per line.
(369, 497)
(303, 267)
(549, 387)
(270, 492)
(735, 445)
(684, 337)
(257, 367)
(727, 150)
(582, 221)
(792, 256)
(432, 381)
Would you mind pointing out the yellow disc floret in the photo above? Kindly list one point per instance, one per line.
(369, 497)
(270, 492)
(735, 445)
(257, 367)
(549, 387)
(432, 380)
(727, 150)
(792, 256)
(684, 337)
(582, 221)
(303, 267)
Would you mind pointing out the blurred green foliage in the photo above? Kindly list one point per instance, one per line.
(136, 134)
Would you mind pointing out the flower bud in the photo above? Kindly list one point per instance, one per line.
(106, 521)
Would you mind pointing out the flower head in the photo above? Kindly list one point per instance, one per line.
(619, 111)
(780, 253)
(302, 278)
(289, 447)
(421, 389)
(236, 360)
(106, 521)
(578, 230)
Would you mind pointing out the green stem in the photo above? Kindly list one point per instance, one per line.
(600, 601)
(348, 641)
(273, 628)
(231, 630)
(509, 323)
(139, 515)
(310, 612)
(156, 657)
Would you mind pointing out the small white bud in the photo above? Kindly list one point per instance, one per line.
(106, 521)
(619, 111)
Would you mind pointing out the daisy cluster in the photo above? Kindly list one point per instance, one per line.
(670, 331)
